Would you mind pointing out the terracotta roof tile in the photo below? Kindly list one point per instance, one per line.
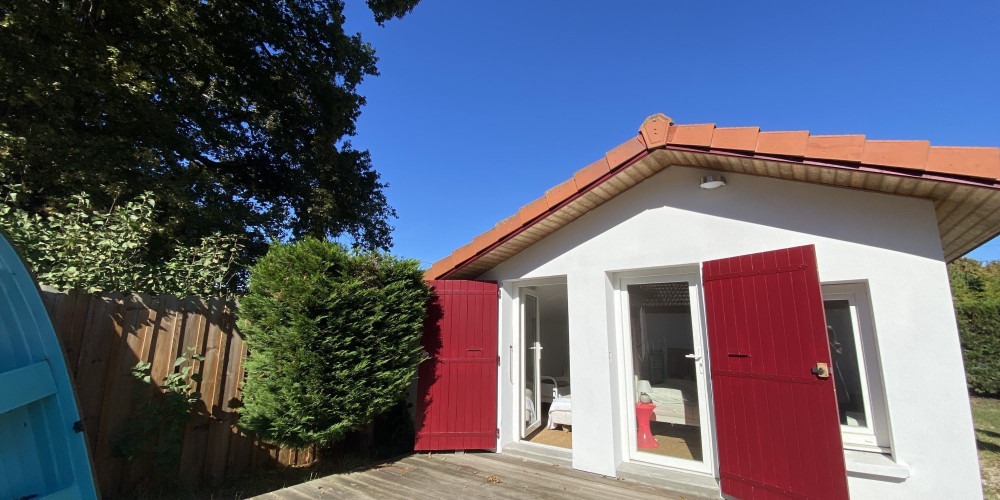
(591, 173)
(735, 138)
(902, 154)
(560, 193)
(836, 147)
(625, 152)
(509, 225)
(463, 253)
(973, 162)
(783, 143)
(438, 268)
(692, 135)
(486, 239)
(532, 210)
(654, 130)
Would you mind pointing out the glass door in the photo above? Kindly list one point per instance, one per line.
(668, 412)
(531, 356)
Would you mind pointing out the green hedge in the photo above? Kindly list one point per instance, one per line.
(979, 327)
(334, 340)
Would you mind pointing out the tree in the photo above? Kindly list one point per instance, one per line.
(975, 287)
(109, 250)
(972, 280)
(979, 332)
(333, 337)
(235, 113)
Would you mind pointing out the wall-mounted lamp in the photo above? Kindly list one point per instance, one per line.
(712, 181)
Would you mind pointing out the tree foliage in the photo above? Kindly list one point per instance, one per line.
(975, 287)
(334, 339)
(80, 247)
(234, 112)
(979, 325)
(972, 280)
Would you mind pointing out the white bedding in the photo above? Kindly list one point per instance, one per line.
(560, 412)
(676, 402)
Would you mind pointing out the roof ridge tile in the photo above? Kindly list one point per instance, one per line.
(561, 192)
(911, 155)
(791, 143)
(625, 151)
(654, 130)
(735, 138)
(965, 160)
(848, 148)
(591, 173)
(698, 135)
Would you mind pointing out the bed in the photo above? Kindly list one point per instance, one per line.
(560, 412)
(676, 402)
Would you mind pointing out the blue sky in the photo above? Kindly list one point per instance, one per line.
(482, 106)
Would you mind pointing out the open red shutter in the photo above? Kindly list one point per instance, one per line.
(778, 429)
(457, 387)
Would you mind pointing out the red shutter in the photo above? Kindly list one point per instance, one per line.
(457, 387)
(778, 429)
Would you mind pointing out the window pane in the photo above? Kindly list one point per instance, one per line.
(666, 384)
(844, 351)
(532, 412)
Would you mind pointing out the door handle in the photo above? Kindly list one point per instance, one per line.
(695, 357)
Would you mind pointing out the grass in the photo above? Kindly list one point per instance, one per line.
(986, 413)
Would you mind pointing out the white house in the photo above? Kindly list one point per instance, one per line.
(726, 312)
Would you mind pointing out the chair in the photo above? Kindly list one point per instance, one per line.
(555, 386)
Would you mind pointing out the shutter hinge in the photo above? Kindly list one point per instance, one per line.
(498, 360)
(78, 426)
(498, 433)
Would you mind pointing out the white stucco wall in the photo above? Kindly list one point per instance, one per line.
(889, 241)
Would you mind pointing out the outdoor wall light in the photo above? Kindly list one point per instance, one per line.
(712, 181)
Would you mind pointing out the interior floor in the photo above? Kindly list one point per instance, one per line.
(561, 436)
(679, 441)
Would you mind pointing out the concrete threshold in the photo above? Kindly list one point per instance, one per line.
(688, 484)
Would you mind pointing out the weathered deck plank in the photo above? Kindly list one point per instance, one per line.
(465, 476)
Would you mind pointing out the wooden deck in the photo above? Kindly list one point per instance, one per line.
(470, 475)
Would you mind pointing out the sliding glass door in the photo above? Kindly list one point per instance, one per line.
(667, 399)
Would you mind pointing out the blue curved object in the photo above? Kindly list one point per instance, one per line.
(41, 455)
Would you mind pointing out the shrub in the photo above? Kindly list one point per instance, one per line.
(334, 340)
(979, 328)
(80, 247)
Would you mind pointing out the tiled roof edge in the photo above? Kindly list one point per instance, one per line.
(659, 131)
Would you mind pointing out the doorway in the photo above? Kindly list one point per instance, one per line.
(545, 385)
(667, 402)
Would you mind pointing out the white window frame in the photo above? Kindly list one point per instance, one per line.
(690, 273)
(875, 436)
(515, 289)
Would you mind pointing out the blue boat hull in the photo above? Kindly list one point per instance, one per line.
(41, 454)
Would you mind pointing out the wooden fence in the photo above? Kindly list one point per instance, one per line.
(105, 336)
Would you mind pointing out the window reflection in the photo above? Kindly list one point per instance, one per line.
(845, 355)
(667, 414)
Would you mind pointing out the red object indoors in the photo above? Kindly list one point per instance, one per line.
(644, 437)
(457, 386)
(778, 428)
